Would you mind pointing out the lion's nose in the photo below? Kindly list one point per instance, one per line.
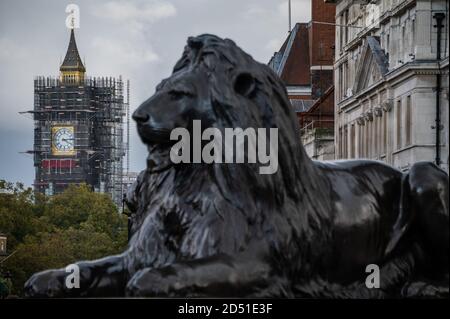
(140, 117)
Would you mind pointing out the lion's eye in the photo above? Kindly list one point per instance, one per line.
(176, 94)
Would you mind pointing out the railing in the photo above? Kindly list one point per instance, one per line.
(317, 126)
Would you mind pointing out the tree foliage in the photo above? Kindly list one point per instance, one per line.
(52, 232)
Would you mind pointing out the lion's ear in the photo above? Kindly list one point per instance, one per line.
(244, 84)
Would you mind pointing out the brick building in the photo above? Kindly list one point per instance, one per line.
(305, 64)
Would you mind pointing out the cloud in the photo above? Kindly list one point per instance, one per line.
(125, 52)
(128, 11)
(10, 50)
(253, 11)
(300, 10)
(131, 45)
(274, 44)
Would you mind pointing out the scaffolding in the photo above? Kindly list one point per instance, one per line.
(96, 110)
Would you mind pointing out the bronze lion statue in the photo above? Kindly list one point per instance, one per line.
(224, 230)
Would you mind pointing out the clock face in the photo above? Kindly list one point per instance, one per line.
(63, 140)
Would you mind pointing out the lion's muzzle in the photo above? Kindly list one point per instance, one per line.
(150, 132)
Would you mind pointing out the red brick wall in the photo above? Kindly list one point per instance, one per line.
(321, 45)
(300, 97)
(296, 69)
(322, 35)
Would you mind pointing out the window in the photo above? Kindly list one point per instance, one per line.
(374, 137)
(341, 34)
(403, 43)
(408, 119)
(373, 124)
(380, 135)
(345, 26)
(361, 144)
(321, 51)
(385, 133)
(352, 141)
(368, 138)
(345, 78)
(398, 120)
(387, 43)
(345, 141)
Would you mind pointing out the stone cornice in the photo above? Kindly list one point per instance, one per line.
(394, 77)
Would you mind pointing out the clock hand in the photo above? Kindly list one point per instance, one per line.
(69, 141)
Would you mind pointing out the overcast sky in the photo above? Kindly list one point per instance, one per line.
(140, 40)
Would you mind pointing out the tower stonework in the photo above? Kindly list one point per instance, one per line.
(79, 129)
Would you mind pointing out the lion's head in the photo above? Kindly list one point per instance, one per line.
(218, 83)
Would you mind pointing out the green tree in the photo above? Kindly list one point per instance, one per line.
(18, 212)
(5, 287)
(53, 232)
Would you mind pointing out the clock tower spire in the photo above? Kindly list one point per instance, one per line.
(72, 70)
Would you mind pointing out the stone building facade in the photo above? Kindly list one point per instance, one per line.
(391, 81)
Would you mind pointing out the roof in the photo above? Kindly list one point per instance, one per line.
(372, 66)
(292, 62)
(380, 57)
(72, 61)
(317, 103)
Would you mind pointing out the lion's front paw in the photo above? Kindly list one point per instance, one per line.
(150, 283)
(46, 284)
(425, 290)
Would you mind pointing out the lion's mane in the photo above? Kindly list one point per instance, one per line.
(206, 209)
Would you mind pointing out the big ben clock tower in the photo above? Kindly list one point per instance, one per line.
(79, 128)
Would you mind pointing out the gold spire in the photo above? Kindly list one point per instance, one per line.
(72, 70)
